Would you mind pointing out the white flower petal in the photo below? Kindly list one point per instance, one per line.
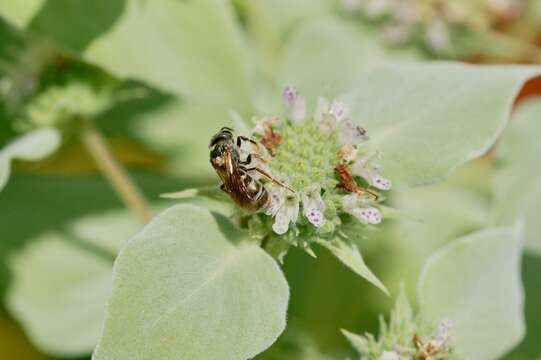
(339, 110)
(371, 172)
(350, 202)
(380, 182)
(288, 212)
(276, 201)
(298, 110)
(322, 107)
(443, 332)
(293, 213)
(390, 355)
(327, 124)
(295, 103)
(315, 217)
(368, 215)
(281, 224)
(311, 197)
(351, 134)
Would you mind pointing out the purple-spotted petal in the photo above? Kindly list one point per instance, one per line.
(315, 217)
(290, 95)
(380, 182)
(339, 110)
(368, 215)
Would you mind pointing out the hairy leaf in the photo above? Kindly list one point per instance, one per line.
(191, 48)
(517, 183)
(182, 289)
(428, 119)
(338, 53)
(475, 282)
(62, 280)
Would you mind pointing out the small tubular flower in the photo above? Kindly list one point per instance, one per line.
(358, 207)
(286, 214)
(371, 172)
(295, 103)
(313, 205)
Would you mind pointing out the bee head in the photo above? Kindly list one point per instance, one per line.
(225, 135)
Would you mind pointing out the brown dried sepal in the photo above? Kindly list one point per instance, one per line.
(348, 183)
(270, 138)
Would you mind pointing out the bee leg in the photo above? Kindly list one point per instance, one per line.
(270, 178)
(249, 159)
(241, 138)
(362, 190)
(222, 187)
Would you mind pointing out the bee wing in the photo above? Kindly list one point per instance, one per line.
(234, 180)
(229, 164)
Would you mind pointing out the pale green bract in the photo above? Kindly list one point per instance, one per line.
(63, 279)
(349, 255)
(428, 119)
(475, 282)
(517, 182)
(32, 146)
(183, 290)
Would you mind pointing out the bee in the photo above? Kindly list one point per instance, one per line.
(235, 173)
(347, 182)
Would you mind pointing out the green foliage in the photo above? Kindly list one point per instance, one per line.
(475, 282)
(32, 146)
(63, 278)
(424, 129)
(350, 255)
(517, 185)
(430, 217)
(20, 13)
(186, 275)
(398, 333)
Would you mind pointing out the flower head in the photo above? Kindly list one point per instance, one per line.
(315, 172)
(435, 25)
(403, 337)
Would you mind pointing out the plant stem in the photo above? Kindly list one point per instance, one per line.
(115, 173)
